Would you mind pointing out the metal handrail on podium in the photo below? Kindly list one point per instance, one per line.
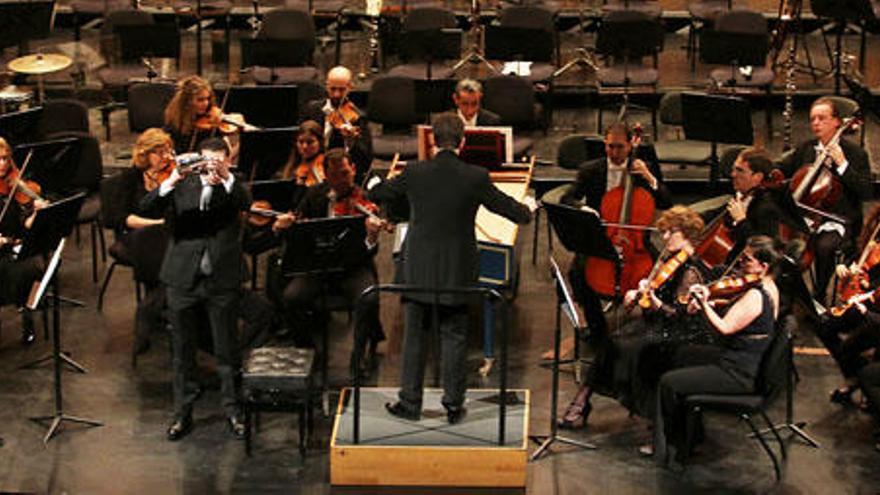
(486, 292)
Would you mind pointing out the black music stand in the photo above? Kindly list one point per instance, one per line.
(515, 43)
(265, 106)
(717, 119)
(323, 248)
(842, 12)
(734, 50)
(582, 233)
(274, 53)
(431, 45)
(283, 195)
(51, 225)
(263, 152)
(54, 162)
(21, 127)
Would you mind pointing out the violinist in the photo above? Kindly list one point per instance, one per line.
(343, 123)
(16, 275)
(850, 329)
(849, 165)
(306, 162)
(141, 235)
(337, 196)
(193, 115)
(628, 364)
(745, 331)
(594, 179)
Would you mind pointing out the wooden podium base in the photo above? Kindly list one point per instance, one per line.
(430, 452)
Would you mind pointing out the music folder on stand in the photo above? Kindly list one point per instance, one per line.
(580, 232)
(51, 225)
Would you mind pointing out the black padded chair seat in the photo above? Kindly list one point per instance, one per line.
(122, 75)
(522, 145)
(385, 146)
(730, 403)
(284, 75)
(637, 74)
(120, 253)
(683, 151)
(98, 6)
(420, 71)
(707, 10)
(761, 76)
(90, 209)
(210, 8)
(653, 9)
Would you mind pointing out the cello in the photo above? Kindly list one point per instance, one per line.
(627, 210)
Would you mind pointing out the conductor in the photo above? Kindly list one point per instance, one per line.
(441, 252)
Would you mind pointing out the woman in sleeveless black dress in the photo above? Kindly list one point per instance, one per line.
(746, 330)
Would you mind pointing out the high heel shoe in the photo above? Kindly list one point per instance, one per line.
(843, 396)
(574, 414)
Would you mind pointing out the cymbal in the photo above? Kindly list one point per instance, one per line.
(40, 63)
(13, 92)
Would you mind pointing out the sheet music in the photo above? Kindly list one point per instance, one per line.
(569, 307)
(37, 294)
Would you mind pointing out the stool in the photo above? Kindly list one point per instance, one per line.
(278, 379)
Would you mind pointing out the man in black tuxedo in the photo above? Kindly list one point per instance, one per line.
(353, 136)
(851, 166)
(441, 252)
(467, 97)
(594, 179)
(202, 270)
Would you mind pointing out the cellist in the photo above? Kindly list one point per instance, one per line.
(594, 179)
(849, 164)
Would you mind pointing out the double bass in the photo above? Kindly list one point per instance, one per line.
(627, 211)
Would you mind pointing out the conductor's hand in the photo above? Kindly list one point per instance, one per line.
(640, 168)
(283, 222)
(530, 203)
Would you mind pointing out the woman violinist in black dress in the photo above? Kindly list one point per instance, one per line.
(745, 329)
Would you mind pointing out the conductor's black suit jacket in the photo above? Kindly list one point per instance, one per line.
(444, 195)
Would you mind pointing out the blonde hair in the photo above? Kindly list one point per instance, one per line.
(180, 114)
(683, 219)
(148, 140)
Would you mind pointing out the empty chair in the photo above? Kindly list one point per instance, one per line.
(648, 7)
(702, 14)
(284, 48)
(423, 45)
(513, 99)
(526, 33)
(392, 104)
(63, 118)
(677, 149)
(146, 105)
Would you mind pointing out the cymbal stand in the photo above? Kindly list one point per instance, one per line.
(475, 52)
(254, 20)
(584, 56)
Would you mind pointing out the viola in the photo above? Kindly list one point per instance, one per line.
(629, 210)
(660, 275)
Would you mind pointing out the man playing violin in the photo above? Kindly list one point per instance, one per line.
(202, 271)
(594, 179)
(337, 196)
(343, 123)
(849, 165)
(16, 275)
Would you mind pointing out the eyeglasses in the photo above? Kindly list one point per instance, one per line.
(162, 150)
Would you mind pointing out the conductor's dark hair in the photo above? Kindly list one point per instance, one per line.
(448, 131)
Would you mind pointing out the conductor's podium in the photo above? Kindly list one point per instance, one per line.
(430, 452)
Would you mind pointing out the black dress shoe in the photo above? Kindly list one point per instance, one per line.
(236, 426)
(399, 410)
(455, 414)
(180, 427)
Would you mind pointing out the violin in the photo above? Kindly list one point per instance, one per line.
(345, 115)
(726, 289)
(310, 174)
(661, 274)
(226, 123)
(353, 203)
(627, 210)
(261, 214)
(852, 301)
(26, 191)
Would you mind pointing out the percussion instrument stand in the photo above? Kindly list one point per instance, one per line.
(475, 52)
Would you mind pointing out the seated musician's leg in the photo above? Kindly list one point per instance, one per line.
(825, 247)
(299, 299)
(367, 327)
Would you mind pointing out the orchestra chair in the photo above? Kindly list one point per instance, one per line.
(542, 38)
(771, 382)
(702, 15)
(648, 7)
(513, 99)
(63, 117)
(416, 24)
(846, 108)
(624, 39)
(392, 104)
(90, 170)
(731, 79)
(119, 252)
(212, 10)
(146, 105)
(292, 26)
(331, 17)
(677, 149)
(94, 8)
(727, 159)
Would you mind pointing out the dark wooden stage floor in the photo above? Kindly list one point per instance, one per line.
(130, 454)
